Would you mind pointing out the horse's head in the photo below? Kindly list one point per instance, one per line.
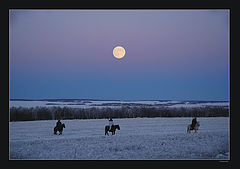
(117, 127)
(198, 124)
(63, 125)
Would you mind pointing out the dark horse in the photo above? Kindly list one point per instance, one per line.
(113, 129)
(59, 128)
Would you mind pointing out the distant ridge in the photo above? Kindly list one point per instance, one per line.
(70, 100)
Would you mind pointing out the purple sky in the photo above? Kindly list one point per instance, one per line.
(170, 54)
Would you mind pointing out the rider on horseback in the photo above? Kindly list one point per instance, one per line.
(110, 123)
(58, 124)
(194, 122)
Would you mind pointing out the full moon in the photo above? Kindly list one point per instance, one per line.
(119, 52)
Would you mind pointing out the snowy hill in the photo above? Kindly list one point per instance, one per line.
(88, 103)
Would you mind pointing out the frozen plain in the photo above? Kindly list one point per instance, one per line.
(118, 104)
(137, 139)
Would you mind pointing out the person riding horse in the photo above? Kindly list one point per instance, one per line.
(59, 127)
(111, 127)
(194, 122)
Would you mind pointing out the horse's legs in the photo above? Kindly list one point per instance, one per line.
(188, 129)
(54, 131)
(106, 132)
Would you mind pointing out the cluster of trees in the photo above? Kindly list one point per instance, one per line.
(54, 113)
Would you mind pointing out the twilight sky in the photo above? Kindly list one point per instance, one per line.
(170, 54)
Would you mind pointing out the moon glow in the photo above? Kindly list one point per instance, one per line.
(119, 52)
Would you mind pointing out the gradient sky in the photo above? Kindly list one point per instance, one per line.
(170, 54)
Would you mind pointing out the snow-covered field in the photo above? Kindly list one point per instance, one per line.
(113, 104)
(138, 138)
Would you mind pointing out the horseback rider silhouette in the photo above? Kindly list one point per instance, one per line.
(59, 127)
(194, 122)
(58, 124)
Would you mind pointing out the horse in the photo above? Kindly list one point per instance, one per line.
(189, 127)
(59, 128)
(113, 129)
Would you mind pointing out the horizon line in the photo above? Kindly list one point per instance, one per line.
(45, 99)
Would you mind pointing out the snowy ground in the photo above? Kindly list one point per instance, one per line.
(114, 104)
(138, 138)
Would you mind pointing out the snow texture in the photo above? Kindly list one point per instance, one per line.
(137, 139)
(114, 104)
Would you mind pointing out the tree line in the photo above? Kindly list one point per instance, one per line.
(56, 112)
